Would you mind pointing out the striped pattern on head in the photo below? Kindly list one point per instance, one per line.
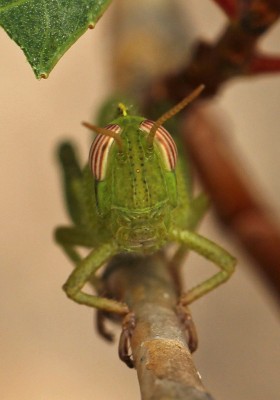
(165, 142)
(99, 152)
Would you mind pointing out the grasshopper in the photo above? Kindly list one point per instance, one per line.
(132, 197)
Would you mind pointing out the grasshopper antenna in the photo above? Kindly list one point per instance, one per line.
(173, 111)
(105, 132)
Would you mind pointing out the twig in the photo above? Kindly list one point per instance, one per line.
(159, 345)
(234, 53)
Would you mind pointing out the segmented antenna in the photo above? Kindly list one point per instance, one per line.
(173, 111)
(105, 132)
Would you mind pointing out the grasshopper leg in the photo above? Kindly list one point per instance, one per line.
(212, 252)
(70, 237)
(82, 274)
(101, 326)
(72, 182)
(199, 206)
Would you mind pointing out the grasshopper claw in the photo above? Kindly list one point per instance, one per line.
(128, 326)
(185, 317)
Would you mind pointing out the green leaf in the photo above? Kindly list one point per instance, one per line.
(45, 29)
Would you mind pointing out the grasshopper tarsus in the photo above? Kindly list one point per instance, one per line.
(128, 326)
(185, 317)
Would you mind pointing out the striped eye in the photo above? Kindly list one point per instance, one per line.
(99, 151)
(165, 143)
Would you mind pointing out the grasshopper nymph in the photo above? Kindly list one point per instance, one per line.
(131, 197)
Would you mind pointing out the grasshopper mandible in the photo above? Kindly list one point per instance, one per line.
(131, 197)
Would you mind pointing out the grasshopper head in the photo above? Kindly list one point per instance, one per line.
(135, 183)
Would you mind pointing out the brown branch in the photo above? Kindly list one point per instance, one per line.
(264, 64)
(228, 6)
(159, 347)
(234, 202)
(233, 54)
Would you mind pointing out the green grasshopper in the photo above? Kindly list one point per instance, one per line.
(132, 196)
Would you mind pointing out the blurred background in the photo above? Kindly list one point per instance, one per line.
(49, 349)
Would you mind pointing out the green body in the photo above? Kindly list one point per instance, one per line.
(140, 206)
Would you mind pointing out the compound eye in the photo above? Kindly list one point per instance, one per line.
(165, 143)
(99, 151)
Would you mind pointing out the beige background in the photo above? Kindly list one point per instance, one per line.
(49, 350)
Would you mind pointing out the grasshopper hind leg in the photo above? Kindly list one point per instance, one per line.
(72, 182)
